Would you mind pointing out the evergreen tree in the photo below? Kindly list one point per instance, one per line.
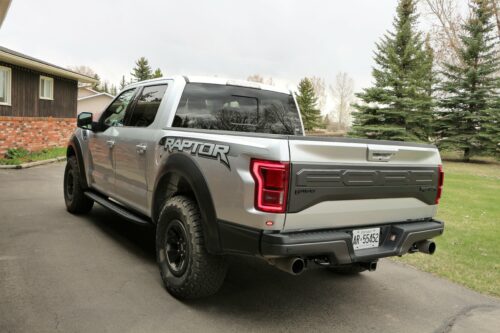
(469, 120)
(105, 87)
(123, 83)
(420, 121)
(399, 105)
(157, 73)
(327, 122)
(113, 90)
(97, 86)
(308, 104)
(142, 70)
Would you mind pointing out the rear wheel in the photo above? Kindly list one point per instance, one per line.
(74, 197)
(188, 271)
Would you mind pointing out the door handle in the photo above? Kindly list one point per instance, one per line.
(110, 143)
(141, 148)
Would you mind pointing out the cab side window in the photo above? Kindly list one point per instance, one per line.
(146, 107)
(115, 113)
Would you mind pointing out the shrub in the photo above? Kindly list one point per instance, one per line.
(13, 153)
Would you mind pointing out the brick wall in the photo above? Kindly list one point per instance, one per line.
(34, 133)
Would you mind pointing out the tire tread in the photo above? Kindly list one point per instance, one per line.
(205, 273)
(80, 204)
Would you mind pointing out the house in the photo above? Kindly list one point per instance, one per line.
(92, 101)
(38, 102)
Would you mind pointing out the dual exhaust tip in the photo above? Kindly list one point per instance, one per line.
(297, 265)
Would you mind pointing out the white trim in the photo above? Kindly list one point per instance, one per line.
(96, 95)
(11, 57)
(88, 87)
(8, 90)
(48, 79)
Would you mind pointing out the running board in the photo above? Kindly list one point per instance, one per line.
(105, 202)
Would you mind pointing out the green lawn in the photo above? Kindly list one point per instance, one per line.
(20, 156)
(469, 250)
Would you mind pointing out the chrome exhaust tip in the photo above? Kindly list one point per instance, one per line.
(294, 265)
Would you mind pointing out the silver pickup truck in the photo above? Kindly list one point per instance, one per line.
(223, 167)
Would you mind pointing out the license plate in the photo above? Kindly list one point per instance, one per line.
(365, 238)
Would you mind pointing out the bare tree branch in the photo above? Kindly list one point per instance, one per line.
(260, 79)
(343, 93)
(320, 91)
(446, 25)
(82, 69)
(255, 78)
(496, 12)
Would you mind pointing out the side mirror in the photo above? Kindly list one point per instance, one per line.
(84, 120)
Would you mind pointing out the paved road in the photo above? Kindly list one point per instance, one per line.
(97, 273)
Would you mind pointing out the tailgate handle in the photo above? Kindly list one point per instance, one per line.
(381, 155)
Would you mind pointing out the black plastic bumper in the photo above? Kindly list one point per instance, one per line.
(395, 239)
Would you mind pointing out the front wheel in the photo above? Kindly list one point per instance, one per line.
(74, 197)
(188, 271)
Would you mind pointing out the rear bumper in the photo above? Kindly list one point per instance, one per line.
(338, 243)
(395, 239)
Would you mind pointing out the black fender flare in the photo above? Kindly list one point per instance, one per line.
(74, 148)
(179, 168)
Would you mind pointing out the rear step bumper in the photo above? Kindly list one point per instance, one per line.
(396, 239)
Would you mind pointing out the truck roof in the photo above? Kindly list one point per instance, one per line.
(215, 80)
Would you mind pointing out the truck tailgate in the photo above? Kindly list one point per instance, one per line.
(339, 182)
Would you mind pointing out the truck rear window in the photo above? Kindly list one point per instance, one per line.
(240, 109)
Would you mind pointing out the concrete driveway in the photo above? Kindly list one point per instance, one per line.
(97, 273)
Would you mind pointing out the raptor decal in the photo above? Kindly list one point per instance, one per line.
(198, 148)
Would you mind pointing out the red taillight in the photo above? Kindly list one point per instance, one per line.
(440, 183)
(271, 185)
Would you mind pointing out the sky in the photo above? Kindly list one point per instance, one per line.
(283, 39)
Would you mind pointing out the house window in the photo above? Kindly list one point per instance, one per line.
(5, 83)
(46, 87)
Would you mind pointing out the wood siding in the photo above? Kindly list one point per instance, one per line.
(25, 100)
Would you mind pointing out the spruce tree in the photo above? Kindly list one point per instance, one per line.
(123, 83)
(419, 120)
(308, 105)
(142, 70)
(157, 73)
(469, 119)
(399, 105)
(105, 87)
(97, 86)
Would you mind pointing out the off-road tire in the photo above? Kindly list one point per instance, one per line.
(351, 269)
(75, 199)
(202, 274)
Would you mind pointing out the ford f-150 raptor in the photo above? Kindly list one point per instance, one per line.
(223, 167)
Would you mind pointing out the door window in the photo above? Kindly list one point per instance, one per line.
(115, 113)
(144, 111)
